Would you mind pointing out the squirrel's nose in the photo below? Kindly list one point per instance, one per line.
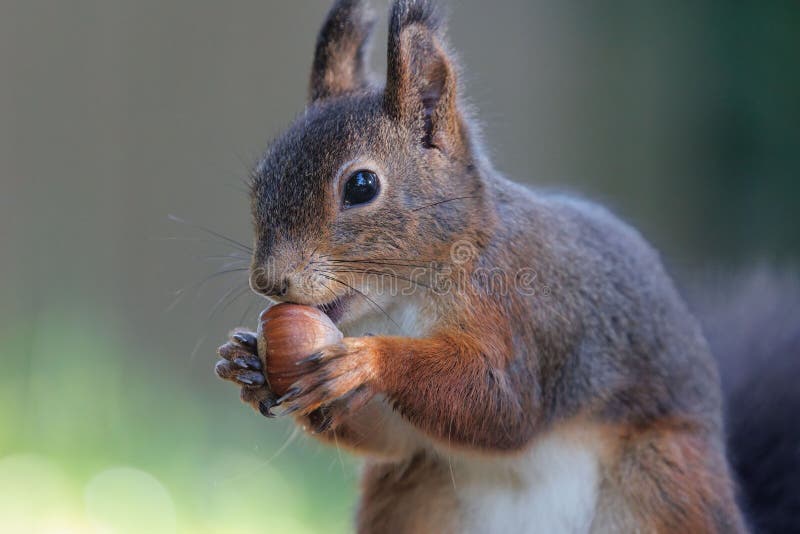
(261, 283)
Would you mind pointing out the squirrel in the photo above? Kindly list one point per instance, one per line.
(585, 401)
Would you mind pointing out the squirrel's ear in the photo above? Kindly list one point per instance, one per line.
(421, 84)
(339, 59)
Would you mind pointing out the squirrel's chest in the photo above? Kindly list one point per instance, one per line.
(551, 488)
(554, 487)
(407, 316)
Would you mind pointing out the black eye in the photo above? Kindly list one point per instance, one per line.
(361, 187)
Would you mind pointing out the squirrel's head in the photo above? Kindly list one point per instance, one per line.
(370, 184)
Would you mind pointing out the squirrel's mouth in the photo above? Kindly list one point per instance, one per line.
(335, 309)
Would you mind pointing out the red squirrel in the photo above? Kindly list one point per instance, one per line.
(586, 400)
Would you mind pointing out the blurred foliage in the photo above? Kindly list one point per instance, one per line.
(116, 445)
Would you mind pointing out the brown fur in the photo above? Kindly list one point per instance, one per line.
(413, 496)
(676, 477)
(604, 337)
(340, 55)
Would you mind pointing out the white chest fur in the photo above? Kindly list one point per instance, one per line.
(551, 488)
(399, 316)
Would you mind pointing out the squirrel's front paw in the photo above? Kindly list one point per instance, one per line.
(339, 382)
(241, 365)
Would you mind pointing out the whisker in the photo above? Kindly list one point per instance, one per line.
(334, 279)
(443, 201)
(260, 466)
(392, 263)
(247, 311)
(239, 265)
(243, 190)
(387, 258)
(219, 302)
(180, 293)
(197, 345)
(179, 238)
(331, 291)
(311, 257)
(238, 295)
(216, 307)
(220, 273)
(194, 240)
(375, 271)
(223, 257)
(230, 240)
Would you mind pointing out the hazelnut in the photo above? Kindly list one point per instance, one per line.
(288, 333)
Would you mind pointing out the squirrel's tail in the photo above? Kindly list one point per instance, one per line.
(752, 322)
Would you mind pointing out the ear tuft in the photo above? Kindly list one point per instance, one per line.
(407, 12)
(340, 55)
(421, 85)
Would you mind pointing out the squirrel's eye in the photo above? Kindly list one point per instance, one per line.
(361, 187)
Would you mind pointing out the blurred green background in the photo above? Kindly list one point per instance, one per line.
(684, 117)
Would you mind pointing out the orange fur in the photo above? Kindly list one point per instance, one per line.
(671, 479)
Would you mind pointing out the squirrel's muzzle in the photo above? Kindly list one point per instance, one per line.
(273, 285)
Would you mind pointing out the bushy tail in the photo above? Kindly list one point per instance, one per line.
(752, 322)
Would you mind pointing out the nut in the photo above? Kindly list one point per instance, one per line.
(287, 334)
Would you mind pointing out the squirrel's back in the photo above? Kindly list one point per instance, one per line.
(604, 297)
(751, 321)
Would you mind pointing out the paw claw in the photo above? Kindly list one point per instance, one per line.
(314, 358)
(324, 425)
(265, 408)
(245, 339)
(293, 392)
(248, 363)
(251, 378)
(221, 369)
